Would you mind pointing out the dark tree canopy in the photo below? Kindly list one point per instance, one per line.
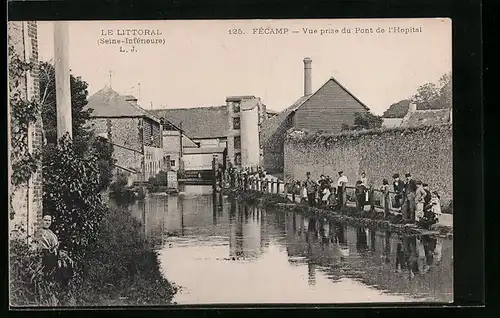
(397, 110)
(428, 96)
(364, 121)
(83, 137)
(79, 93)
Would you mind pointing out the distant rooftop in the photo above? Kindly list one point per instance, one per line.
(108, 103)
(199, 122)
(427, 117)
(238, 98)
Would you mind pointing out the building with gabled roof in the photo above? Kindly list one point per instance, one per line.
(221, 127)
(327, 109)
(134, 133)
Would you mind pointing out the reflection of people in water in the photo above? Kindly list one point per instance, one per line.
(312, 226)
(331, 232)
(232, 210)
(437, 250)
(403, 253)
(400, 256)
(340, 233)
(429, 247)
(361, 239)
(372, 239)
(421, 257)
(311, 271)
(387, 247)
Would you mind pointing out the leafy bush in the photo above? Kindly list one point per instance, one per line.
(120, 192)
(449, 208)
(120, 268)
(71, 185)
(181, 174)
(123, 265)
(158, 182)
(28, 286)
(363, 121)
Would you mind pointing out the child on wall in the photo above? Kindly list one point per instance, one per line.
(326, 195)
(303, 193)
(435, 204)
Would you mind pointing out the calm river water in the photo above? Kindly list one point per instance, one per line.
(221, 251)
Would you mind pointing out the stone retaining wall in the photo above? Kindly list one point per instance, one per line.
(425, 152)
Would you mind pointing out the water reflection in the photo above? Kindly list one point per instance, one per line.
(212, 246)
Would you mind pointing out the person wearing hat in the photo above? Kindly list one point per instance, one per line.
(398, 187)
(409, 199)
(311, 189)
(385, 197)
(341, 190)
(420, 195)
(364, 181)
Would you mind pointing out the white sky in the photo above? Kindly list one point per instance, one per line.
(200, 63)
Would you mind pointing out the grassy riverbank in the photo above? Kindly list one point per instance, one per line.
(350, 216)
(118, 268)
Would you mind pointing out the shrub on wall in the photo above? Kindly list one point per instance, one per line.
(425, 151)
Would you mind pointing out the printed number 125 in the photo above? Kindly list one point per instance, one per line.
(236, 31)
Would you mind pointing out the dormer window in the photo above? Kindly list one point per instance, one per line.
(236, 123)
(236, 107)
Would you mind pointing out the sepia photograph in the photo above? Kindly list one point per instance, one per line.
(216, 162)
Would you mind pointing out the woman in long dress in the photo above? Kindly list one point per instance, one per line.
(49, 245)
(385, 197)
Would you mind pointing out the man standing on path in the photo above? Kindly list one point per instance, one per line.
(311, 190)
(398, 190)
(341, 190)
(364, 181)
(420, 195)
(409, 199)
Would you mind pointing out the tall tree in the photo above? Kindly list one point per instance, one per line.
(426, 96)
(397, 110)
(81, 133)
(83, 137)
(445, 91)
(429, 96)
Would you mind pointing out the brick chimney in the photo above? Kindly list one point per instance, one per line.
(307, 76)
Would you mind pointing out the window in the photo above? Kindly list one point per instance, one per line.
(236, 107)
(237, 142)
(172, 163)
(237, 159)
(236, 123)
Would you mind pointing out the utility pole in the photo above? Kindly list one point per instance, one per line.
(63, 88)
(180, 137)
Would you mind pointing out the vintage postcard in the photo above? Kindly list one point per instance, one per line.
(230, 162)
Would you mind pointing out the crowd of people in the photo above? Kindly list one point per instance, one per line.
(412, 197)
